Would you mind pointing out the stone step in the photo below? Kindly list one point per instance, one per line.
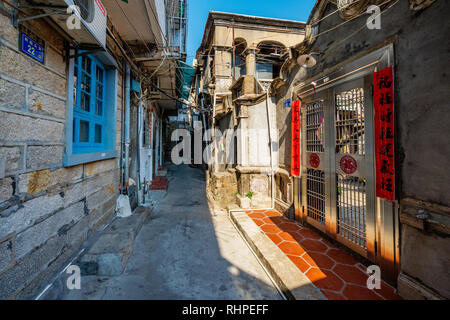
(109, 255)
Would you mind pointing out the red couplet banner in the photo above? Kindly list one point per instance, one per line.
(383, 97)
(295, 139)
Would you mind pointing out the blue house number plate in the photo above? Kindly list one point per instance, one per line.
(31, 48)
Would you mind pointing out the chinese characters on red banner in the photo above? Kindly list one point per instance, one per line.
(383, 97)
(295, 136)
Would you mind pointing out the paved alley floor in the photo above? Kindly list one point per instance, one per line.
(185, 250)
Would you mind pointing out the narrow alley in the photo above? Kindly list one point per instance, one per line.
(224, 150)
(185, 250)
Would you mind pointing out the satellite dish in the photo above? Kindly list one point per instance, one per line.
(306, 61)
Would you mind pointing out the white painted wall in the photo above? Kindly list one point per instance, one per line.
(257, 149)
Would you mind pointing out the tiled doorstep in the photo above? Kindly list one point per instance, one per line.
(333, 271)
(293, 283)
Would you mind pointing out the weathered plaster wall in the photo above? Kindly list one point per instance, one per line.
(224, 36)
(46, 210)
(421, 47)
(423, 124)
(283, 120)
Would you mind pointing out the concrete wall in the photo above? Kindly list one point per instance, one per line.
(253, 36)
(420, 76)
(46, 210)
(423, 125)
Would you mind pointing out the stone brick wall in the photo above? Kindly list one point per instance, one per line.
(46, 210)
(223, 186)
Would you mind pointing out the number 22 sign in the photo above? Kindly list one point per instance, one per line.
(31, 48)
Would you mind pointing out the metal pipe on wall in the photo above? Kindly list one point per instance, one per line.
(272, 195)
(122, 135)
(127, 121)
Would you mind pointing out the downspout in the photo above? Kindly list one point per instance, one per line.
(139, 146)
(213, 135)
(270, 148)
(127, 122)
(161, 160)
(122, 133)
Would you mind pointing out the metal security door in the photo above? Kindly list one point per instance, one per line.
(338, 164)
(353, 184)
(316, 160)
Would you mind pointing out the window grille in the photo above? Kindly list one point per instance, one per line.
(351, 208)
(315, 194)
(315, 134)
(349, 107)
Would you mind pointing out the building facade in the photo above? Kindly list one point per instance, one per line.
(81, 114)
(358, 117)
(238, 59)
(365, 179)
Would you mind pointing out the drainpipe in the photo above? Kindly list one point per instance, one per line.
(213, 136)
(122, 133)
(127, 122)
(270, 148)
(139, 146)
(161, 160)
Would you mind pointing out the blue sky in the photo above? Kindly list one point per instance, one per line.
(198, 13)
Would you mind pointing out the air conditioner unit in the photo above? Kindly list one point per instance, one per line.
(92, 17)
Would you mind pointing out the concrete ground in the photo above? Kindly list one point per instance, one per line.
(185, 250)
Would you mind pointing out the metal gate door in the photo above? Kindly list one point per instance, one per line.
(338, 185)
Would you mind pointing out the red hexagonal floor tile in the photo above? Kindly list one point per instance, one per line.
(351, 274)
(256, 215)
(353, 292)
(270, 228)
(272, 213)
(259, 222)
(286, 236)
(317, 259)
(313, 245)
(268, 221)
(299, 262)
(278, 220)
(274, 237)
(291, 248)
(341, 257)
(309, 234)
(289, 227)
(387, 292)
(325, 279)
(327, 243)
(297, 237)
(332, 295)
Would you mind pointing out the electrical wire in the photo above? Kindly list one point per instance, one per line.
(337, 10)
(134, 28)
(364, 25)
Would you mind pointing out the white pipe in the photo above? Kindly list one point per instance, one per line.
(270, 148)
(213, 133)
(127, 120)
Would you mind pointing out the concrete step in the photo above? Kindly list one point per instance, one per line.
(294, 284)
(109, 255)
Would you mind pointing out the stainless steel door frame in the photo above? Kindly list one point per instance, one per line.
(325, 173)
(361, 202)
(382, 222)
(314, 179)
